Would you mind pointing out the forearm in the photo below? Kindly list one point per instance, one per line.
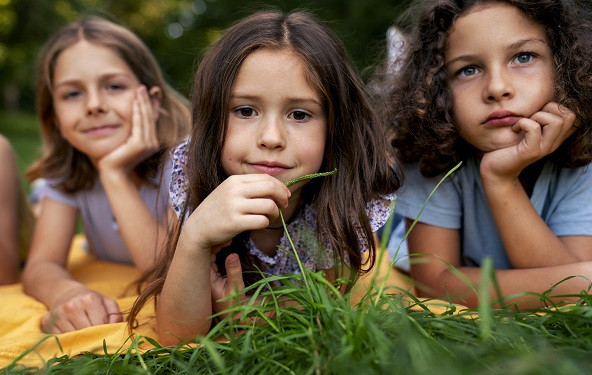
(527, 239)
(9, 218)
(142, 234)
(515, 281)
(184, 306)
(9, 265)
(50, 283)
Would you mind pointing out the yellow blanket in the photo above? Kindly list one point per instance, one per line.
(20, 314)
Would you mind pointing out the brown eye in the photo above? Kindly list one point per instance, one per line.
(245, 112)
(299, 116)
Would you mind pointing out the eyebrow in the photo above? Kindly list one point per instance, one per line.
(516, 45)
(298, 100)
(71, 81)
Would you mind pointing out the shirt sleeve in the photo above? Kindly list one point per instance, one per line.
(379, 210)
(440, 207)
(47, 188)
(570, 213)
(179, 184)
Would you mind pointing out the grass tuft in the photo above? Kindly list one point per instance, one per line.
(391, 331)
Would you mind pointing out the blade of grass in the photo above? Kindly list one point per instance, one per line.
(383, 284)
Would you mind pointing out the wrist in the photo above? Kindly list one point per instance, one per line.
(192, 242)
(113, 176)
(68, 289)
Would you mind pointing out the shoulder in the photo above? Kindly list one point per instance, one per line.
(567, 181)
(379, 210)
(49, 188)
(4, 146)
(418, 186)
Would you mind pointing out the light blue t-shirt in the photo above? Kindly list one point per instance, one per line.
(561, 196)
(100, 227)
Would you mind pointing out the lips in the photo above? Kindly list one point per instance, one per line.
(269, 167)
(502, 118)
(100, 130)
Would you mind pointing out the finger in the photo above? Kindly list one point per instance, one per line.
(213, 264)
(112, 310)
(63, 326)
(95, 310)
(558, 110)
(214, 274)
(234, 272)
(48, 324)
(261, 186)
(258, 206)
(554, 129)
(55, 322)
(147, 118)
(136, 120)
(531, 142)
(569, 117)
(76, 311)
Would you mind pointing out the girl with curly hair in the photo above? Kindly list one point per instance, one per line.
(506, 88)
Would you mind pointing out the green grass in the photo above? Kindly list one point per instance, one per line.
(22, 130)
(326, 335)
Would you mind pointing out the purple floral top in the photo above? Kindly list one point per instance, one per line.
(313, 255)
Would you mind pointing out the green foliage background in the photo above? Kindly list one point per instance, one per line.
(177, 31)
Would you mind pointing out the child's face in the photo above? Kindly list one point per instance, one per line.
(276, 122)
(93, 98)
(500, 68)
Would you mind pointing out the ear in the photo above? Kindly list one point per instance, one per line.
(155, 94)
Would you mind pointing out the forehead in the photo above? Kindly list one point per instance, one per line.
(85, 59)
(489, 25)
(263, 63)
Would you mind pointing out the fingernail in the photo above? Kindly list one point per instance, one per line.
(233, 262)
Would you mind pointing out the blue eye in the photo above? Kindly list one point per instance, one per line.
(115, 87)
(299, 116)
(468, 71)
(245, 112)
(72, 95)
(524, 57)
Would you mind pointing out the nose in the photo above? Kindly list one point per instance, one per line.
(499, 86)
(94, 103)
(272, 133)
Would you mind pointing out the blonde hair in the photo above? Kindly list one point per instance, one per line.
(59, 159)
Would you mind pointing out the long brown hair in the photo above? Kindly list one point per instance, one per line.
(420, 103)
(355, 143)
(59, 159)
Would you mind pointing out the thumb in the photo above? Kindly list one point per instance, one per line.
(234, 272)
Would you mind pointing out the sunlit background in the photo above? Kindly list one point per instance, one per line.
(177, 31)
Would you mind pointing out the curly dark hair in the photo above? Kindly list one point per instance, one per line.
(420, 102)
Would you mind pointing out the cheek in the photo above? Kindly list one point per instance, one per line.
(315, 153)
(546, 89)
(227, 155)
(126, 109)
